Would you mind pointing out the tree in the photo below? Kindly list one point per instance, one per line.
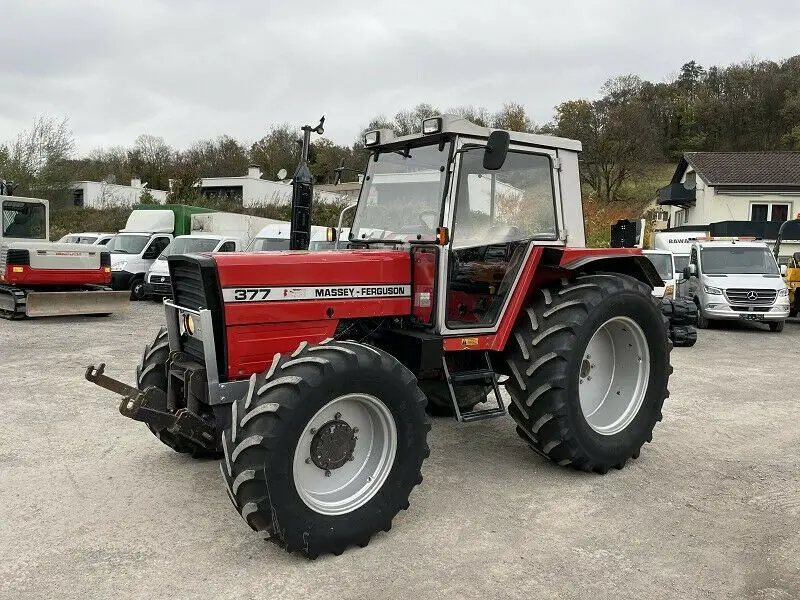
(410, 121)
(277, 150)
(514, 118)
(477, 114)
(151, 159)
(37, 158)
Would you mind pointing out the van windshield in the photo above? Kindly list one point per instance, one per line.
(663, 264)
(267, 244)
(78, 239)
(127, 244)
(738, 261)
(681, 262)
(188, 245)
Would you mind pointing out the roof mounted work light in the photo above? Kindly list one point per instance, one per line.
(372, 138)
(432, 125)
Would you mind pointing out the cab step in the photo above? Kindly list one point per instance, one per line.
(460, 377)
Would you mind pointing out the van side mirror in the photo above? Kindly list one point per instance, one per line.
(783, 270)
(496, 150)
(689, 271)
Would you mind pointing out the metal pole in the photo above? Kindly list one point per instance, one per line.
(303, 194)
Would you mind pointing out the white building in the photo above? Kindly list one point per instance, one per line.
(712, 187)
(252, 190)
(100, 194)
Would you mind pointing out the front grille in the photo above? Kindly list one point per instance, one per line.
(195, 285)
(162, 280)
(187, 284)
(750, 296)
(750, 308)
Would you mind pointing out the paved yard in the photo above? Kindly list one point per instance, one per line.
(93, 506)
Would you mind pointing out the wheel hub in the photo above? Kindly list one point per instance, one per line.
(333, 445)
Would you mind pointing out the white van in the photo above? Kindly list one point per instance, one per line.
(664, 262)
(736, 280)
(276, 237)
(157, 282)
(91, 238)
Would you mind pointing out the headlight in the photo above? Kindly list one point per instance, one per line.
(432, 125)
(710, 289)
(372, 138)
(120, 266)
(783, 292)
(188, 323)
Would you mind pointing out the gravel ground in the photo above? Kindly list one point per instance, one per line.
(93, 506)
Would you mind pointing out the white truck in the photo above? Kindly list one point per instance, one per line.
(275, 236)
(736, 280)
(149, 231)
(664, 262)
(157, 283)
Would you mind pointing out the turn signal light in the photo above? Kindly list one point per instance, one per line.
(17, 269)
(442, 236)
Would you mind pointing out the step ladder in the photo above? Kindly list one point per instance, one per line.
(465, 377)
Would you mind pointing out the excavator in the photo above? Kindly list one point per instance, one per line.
(39, 278)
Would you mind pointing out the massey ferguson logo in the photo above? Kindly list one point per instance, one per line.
(335, 292)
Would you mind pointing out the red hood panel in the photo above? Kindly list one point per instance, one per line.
(313, 268)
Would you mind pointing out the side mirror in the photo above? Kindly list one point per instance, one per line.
(783, 270)
(689, 271)
(151, 253)
(496, 150)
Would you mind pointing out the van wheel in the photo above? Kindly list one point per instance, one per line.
(702, 322)
(137, 288)
(776, 326)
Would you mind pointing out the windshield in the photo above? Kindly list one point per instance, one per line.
(402, 194)
(127, 244)
(514, 203)
(267, 244)
(738, 261)
(662, 263)
(188, 245)
(24, 220)
(78, 239)
(681, 262)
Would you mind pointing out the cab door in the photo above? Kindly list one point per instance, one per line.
(496, 218)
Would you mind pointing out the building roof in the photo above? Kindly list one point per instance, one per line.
(742, 168)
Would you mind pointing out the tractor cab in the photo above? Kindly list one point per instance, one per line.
(486, 198)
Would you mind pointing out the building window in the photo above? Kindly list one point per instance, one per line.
(769, 212)
(77, 197)
(680, 218)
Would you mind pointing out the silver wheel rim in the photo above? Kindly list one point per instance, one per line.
(342, 490)
(613, 375)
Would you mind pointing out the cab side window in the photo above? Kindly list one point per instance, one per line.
(156, 247)
(693, 260)
(227, 247)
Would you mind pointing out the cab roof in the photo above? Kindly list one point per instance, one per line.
(455, 124)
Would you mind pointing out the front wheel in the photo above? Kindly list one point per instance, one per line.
(702, 321)
(776, 326)
(589, 365)
(326, 448)
(137, 289)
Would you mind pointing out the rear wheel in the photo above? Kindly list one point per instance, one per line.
(152, 371)
(326, 448)
(589, 367)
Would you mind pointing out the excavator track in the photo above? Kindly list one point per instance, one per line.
(12, 302)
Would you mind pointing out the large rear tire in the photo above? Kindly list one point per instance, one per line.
(589, 365)
(152, 371)
(326, 448)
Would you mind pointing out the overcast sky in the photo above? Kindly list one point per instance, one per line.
(190, 69)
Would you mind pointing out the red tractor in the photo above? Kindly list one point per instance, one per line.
(309, 373)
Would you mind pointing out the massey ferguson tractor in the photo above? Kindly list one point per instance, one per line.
(465, 270)
(39, 278)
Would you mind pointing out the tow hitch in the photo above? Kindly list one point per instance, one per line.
(150, 406)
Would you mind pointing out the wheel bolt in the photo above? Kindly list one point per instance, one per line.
(355, 429)
(313, 431)
(327, 473)
(589, 378)
(308, 461)
(337, 416)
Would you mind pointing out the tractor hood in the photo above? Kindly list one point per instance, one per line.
(346, 267)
